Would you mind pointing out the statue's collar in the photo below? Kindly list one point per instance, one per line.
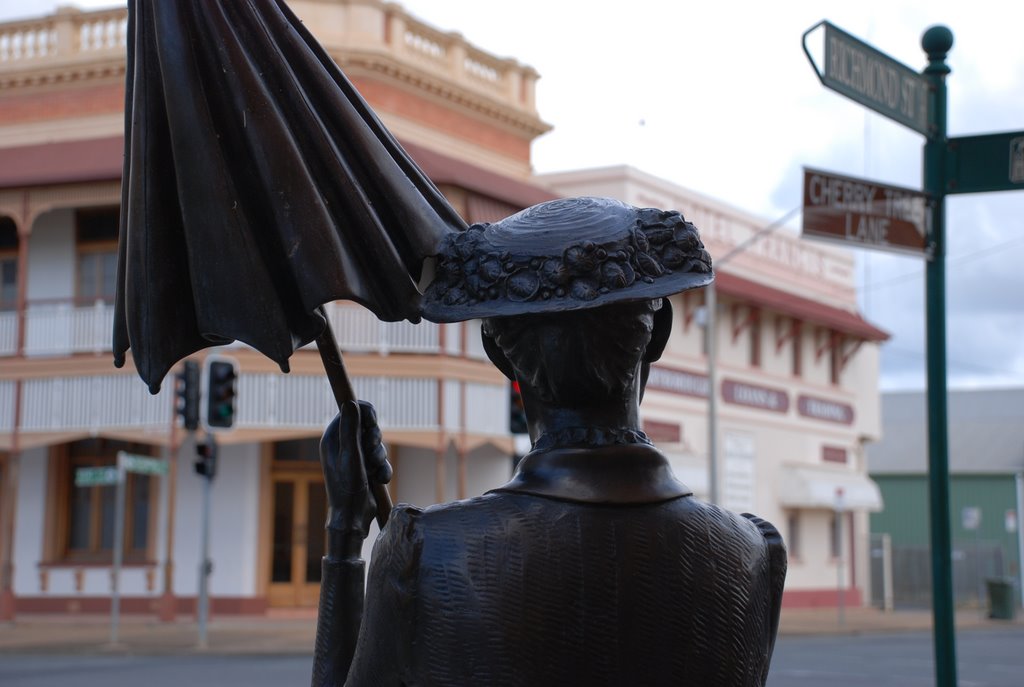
(621, 475)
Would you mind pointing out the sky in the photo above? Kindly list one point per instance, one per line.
(720, 98)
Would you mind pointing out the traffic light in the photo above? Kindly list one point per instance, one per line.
(206, 463)
(517, 413)
(221, 378)
(186, 388)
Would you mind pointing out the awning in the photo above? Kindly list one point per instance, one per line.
(810, 486)
(800, 307)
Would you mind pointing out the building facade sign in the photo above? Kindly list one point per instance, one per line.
(678, 381)
(755, 396)
(663, 432)
(824, 409)
(834, 454)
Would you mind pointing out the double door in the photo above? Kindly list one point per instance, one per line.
(299, 511)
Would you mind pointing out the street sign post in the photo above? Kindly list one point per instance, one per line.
(873, 79)
(108, 475)
(115, 572)
(918, 101)
(865, 213)
(876, 216)
(990, 162)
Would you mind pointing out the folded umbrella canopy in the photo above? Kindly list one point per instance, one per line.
(257, 186)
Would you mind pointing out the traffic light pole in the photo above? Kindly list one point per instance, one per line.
(203, 604)
(936, 42)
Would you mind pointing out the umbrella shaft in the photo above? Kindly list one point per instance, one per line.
(344, 392)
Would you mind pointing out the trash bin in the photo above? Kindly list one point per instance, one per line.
(1001, 604)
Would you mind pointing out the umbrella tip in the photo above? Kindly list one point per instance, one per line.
(119, 360)
(285, 368)
(154, 388)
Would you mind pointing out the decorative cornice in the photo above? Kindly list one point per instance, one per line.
(355, 63)
(65, 73)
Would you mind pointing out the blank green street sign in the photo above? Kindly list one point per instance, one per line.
(96, 477)
(990, 162)
(143, 465)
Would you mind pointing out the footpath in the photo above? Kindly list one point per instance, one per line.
(293, 634)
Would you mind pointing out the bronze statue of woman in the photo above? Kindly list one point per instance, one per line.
(258, 185)
(594, 565)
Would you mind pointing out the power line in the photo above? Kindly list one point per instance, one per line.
(757, 236)
(919, 355)
(981, 253)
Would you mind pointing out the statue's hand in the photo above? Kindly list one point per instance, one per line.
(351, 449)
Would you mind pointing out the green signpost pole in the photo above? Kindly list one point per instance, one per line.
(966, 164)
(937, 42)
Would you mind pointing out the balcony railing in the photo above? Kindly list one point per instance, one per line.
(68, 33)
(359, 330)
(265, 401)
(55, 328)
(98, 402)
(63, 328)
(71, 34)
(8, 332)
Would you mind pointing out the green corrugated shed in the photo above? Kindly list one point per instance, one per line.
(905, 517)
(986, 458)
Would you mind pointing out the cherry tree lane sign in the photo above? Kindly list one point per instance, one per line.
(865, 213)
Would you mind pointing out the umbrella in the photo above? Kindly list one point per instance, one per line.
(257, 186)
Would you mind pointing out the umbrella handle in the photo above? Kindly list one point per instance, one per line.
(343, 392)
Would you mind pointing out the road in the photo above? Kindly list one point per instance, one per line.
(987, 658)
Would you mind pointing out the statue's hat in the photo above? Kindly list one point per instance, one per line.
(566, 254)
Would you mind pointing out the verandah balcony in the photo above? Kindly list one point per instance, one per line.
(59, 328)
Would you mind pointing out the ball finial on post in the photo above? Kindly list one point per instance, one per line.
(937, 41)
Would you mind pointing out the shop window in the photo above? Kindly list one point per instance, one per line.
(97, 254)
(793, 534)
(84, 515)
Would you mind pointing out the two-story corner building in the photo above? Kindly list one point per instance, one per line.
(466, 116)
(797, 384)
(798, 366)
